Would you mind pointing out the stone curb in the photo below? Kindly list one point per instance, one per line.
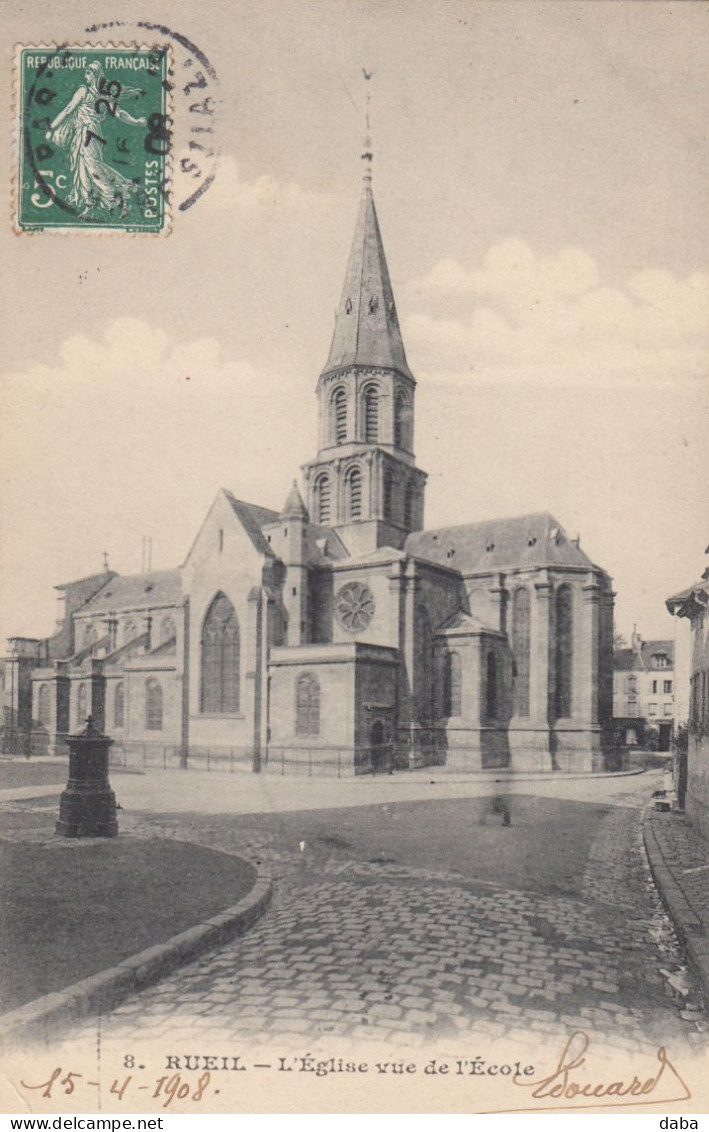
(687, 924)
(102, 992)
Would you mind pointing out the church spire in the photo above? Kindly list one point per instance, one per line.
(366, 323)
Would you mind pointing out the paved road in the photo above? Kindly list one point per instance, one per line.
(431, 921)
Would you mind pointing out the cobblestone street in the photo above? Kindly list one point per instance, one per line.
(421, 922)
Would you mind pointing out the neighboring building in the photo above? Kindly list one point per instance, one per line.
(693, 603)
(644, 693)
(339, 634)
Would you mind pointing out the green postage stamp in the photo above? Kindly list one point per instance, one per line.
(93, 138)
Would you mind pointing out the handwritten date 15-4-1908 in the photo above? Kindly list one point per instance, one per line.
(169, 1088)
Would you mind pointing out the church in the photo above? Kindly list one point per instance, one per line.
(339, 636)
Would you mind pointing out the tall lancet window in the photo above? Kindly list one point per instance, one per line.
(371, 415)
(339, 415)
(353, 491)
(307, 705)
(220, 658)
(491, 690)
(521, 649)
(153, 705)
(322, 500)
(388, 491)
(451, 684)
(409, 505)
(564, 651)
(43, 706)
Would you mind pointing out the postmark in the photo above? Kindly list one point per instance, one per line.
(94, 138)
(196, 105)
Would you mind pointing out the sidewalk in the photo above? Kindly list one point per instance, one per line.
(679, 860)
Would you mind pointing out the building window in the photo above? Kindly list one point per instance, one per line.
(89, 634)
(119, 705)
(654, 687)
(564, 651)
(307, 705)
(491, 687)
(153, 705)
(339, 410)
(353, 490)
(652, 709)
(81, 703)
(666, 686)
(668, 709)
(43, 705)
(322, 500)
(388, 487)
(220, 658)
(632, 708)
(220, 540)
(371, 415)
(451, 684)
(128, 629)
(401, 420)
(409, 506)
(167, 629)
(423, 664)
(661, 660)
(631, 684)
(521, 639)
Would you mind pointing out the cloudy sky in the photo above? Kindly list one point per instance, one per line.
(540, 177)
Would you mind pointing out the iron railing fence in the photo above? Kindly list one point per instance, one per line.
(311, 762)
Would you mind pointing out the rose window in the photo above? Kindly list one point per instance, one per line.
(354, 607)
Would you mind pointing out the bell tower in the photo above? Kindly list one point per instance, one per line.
(364, 480)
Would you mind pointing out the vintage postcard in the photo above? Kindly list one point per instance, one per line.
(355, 686)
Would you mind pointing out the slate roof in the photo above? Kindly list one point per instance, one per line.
(640, 660)
(528, 540)
(253, 518)
(294, 508)
(136, 591)
(366, 323)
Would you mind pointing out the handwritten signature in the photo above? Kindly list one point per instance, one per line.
(561, 1085)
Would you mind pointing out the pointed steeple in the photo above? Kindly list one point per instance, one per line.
(367, 329)
(294, 507)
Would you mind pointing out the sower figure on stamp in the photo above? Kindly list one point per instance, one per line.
(95, 183)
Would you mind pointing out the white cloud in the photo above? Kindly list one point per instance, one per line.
(130, 435)
(262, 196)
(550, 320)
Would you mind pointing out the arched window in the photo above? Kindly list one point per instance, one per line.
(119, 704)
(564, 651)
(322, 500)
(339, 414)
(43, 705)
(388, 491)
(371, 415)
(401, 421)
(491, 687)
(521, 649)
(81, 704)
(423, 661)
(451, 684)
(353, 491)
(153, 705)
(167, 629)
(409, 505)
(307, 705)
(220, 658)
